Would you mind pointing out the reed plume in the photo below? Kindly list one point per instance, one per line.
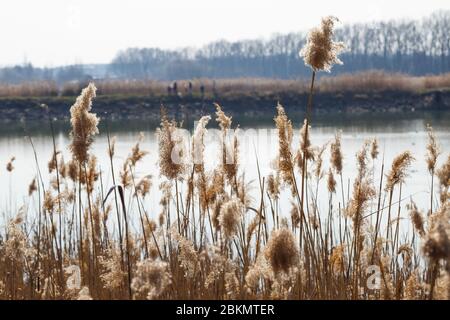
(230, 216)
(171, 150)
(399, 168)
(321, 51)
(281, 251)
(443, 175)
(9, 165)
(285, 133)
(336, 154)
(152, 279)
(417, 219)
(84, 124)
(198, 146)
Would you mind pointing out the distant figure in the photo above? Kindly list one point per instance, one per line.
(169, 90)
(175, 88)
(190, 88)
(202, 90)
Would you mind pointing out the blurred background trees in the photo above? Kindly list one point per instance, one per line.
(416, 47)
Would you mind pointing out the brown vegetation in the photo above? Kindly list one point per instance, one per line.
(370, 81)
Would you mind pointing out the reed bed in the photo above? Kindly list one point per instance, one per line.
(214, 239)
(365, 81)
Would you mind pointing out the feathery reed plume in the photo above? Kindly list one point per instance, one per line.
(431, 159)
(9, 165)
(374, 149)
(53, 161)
(187, 256)
(336, 153)
(442, 288)
(230, 216)
(258, 271)
(437, 242)
(363, 191)
(49, 201)
(443, 175)
(295, 215)
(337, 259)
(285, 133)
(223, 120)
(320, 51)
(229, 151)
(72, 170)
(32, 187)
(305, 143)
(91, 175)
(396, 175)
(273, 185)
(413, 287)
(433, 150)
(331, 182)
(112, 276)
(399, 169)
(151, 280)
(136, 153)
(84, 124)
(171, 150)
(281, 251)
(198, 146)
(125, 174)
(416, 218)
(144, 185)
(319, 161)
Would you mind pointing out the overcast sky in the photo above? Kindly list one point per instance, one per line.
(55, 32)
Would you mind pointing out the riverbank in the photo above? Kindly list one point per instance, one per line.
(122, 107)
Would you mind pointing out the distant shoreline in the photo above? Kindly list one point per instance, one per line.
(121, 107)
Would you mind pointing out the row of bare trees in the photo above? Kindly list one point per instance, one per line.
(410, 46)
(416, 47)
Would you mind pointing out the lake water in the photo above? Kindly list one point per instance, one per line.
(395, 133)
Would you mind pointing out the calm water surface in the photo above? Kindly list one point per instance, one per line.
(395, 133)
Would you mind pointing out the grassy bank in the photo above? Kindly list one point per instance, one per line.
(362, 82)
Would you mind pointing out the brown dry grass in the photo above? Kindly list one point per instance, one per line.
(210, 240)
(370, 81)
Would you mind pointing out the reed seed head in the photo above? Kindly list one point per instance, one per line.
(152, 279)
(9, 165)
(320, 51)
(336, 153)
(223, 120)
(32, 187)
(285, 134)
(399, 168)
(432, 150)
(171, 150)
(84, 124)
(281, 251)
(374, 149)
(417, 219)
(230, 216)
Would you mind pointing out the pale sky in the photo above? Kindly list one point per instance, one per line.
(56, 32)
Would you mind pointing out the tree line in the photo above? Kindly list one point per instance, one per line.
(416, 47)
